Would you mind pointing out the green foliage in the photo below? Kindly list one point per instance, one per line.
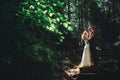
(43, 14)
(43, 29)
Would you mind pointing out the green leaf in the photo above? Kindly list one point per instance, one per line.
(65, 25)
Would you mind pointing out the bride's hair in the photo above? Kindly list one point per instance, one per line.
(84, 35)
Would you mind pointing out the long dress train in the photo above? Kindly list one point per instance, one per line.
(86, 57)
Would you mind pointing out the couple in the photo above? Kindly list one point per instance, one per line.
(86, 56)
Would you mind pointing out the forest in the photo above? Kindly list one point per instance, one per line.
(42, 38)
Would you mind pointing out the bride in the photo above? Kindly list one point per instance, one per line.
(86, 56)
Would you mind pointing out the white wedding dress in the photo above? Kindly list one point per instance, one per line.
(86, 57)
